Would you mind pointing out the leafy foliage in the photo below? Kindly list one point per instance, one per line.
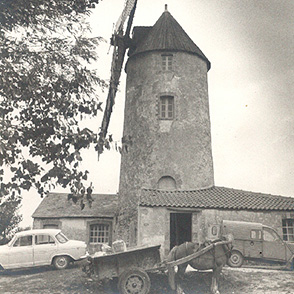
(9, 218)
(46, 88)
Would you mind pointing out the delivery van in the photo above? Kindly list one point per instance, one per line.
(253, 241)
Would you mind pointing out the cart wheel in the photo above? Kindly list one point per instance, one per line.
(134, 281)
(236, 259)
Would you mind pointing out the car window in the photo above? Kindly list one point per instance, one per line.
(61, 238)
(23, 241)
(43, 239)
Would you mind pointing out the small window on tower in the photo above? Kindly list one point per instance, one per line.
(167, 61)
(166, 105)
(167, 183)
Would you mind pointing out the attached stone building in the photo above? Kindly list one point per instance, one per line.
(173, 217)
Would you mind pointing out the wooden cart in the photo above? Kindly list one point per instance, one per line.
(131, 267)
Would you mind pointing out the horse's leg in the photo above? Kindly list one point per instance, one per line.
(182, 270)
(180, 277)
(215, 279)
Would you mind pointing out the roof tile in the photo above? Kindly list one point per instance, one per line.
(217, 198)
(57, 205)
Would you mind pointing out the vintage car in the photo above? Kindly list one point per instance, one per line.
(254, 241)
(41, 247)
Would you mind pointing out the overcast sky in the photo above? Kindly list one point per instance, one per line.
(250, 44)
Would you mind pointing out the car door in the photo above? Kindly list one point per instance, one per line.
(21, 253)
(273, 246)
(44, 248)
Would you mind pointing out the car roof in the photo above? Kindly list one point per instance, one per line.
(39, 231)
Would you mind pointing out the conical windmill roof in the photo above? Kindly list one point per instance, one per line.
(168, 35)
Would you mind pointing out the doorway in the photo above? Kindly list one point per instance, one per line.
(180, 228)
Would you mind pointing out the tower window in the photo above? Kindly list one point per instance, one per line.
(167, 62)
(166, 107)
(167, 183)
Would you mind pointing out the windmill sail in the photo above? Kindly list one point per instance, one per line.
(129, 5)
(120, 42)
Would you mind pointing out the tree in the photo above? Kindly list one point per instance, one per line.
(46, 88)
(9, 218)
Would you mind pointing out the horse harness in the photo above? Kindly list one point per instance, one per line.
(201, 246)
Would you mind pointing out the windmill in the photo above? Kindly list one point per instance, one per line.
(120, 41)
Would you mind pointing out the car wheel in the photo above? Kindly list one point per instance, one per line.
(61, 262)
(236, 259)
(134, 281)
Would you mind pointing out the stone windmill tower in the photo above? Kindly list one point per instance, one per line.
(166, 136)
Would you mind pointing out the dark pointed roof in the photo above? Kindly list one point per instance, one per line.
(166, 35)
(57, 205)
(216, 198)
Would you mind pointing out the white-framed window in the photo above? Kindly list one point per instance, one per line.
(100, 233)
(167, 62)
(166, 107)
(288, 229)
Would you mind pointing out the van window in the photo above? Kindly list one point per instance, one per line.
(255, 234)
(269, 235)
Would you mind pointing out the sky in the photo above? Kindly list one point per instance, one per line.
(251, 90)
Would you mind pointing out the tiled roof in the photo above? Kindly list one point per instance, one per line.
(216, 198)
(57, 205)
(167, 35)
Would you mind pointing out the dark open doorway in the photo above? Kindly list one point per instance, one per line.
(180, 228)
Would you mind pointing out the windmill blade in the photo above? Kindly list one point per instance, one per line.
(129, 5)
(120, 43)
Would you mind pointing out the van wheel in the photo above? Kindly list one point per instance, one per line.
(61, 262)
(236, 259)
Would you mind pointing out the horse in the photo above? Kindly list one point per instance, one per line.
(214, 259)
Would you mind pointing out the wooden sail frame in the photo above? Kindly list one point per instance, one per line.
(120, 42)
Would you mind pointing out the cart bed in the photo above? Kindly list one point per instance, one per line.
(112, 265)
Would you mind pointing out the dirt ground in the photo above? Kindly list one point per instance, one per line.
(73, 281)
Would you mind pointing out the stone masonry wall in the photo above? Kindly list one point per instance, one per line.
(153, 227)
(73, 228)
(154, 223)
